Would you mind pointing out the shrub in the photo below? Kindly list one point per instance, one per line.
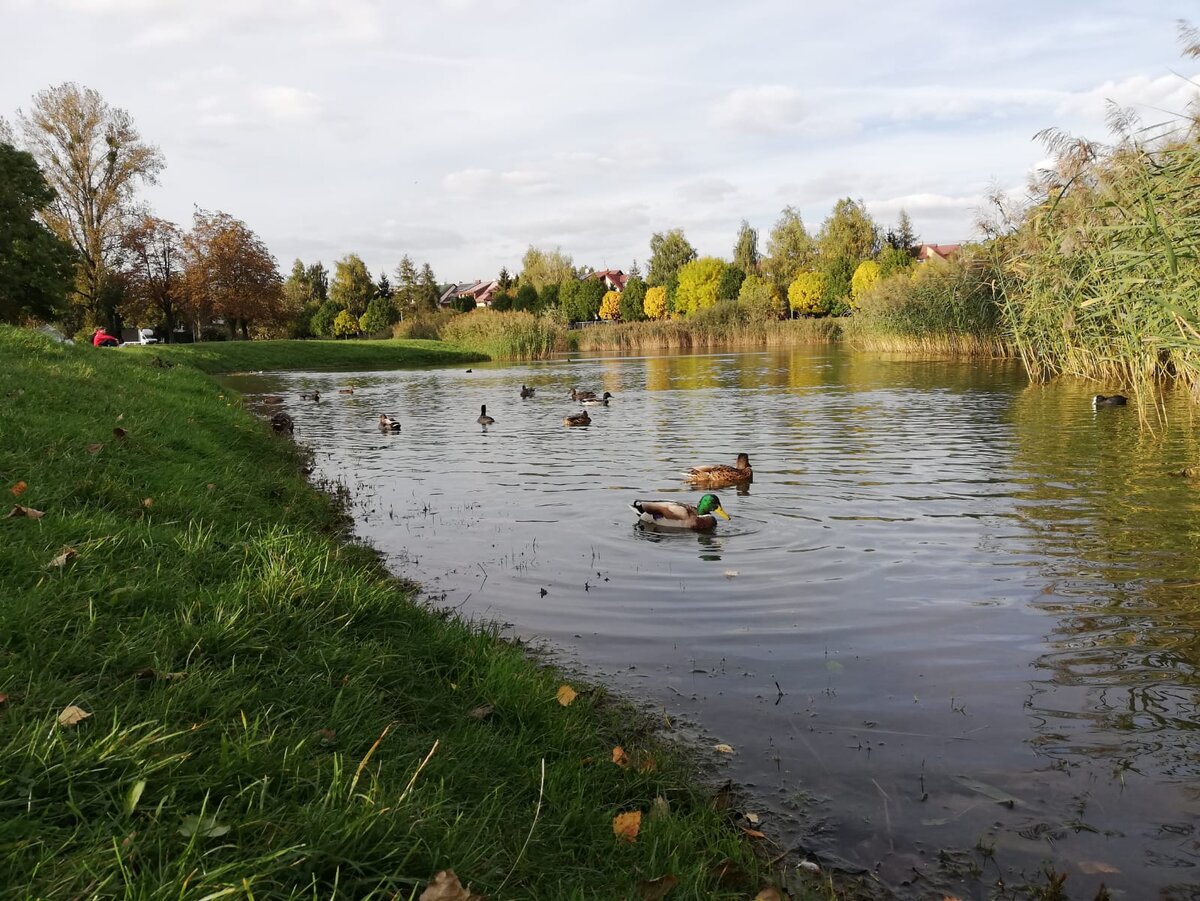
(345, 325)
(806, 294)
(866, 275)
(760, 300)
(610, 306)
(322, 320)
(698, 283)
(655, 304)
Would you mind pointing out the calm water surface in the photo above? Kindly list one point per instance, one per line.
(953, 610)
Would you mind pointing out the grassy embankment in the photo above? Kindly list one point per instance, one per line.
(268, 713)
(243, 356)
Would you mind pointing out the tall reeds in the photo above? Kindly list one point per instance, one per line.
(506, 336)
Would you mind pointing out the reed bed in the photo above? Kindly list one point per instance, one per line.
(725, 325)
(508, 336)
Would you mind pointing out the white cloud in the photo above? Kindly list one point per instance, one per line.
(1151, 98)
(707, 190)
(766, 108)
(287, 103)
(477, 182)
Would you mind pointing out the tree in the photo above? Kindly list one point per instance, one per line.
(902, 236)
(318, 280)
(300, 299)
(866, 275)
(837, 271)
(526, 299)
(502, 301)
(567, 289)
(229, 274)
(893, 260)
(790, 248)
(633, 298)
(610, 306)
(547, 296)
(322, 320)
(669, 253)
(731, 283)
(745, 249)
(345, 325)
(352, 287)
(655, 304)
(93, 157)
(584, 302)
(409, 294)
(698, 283)
(760, 299)
(806, 294)
(504, 280)
(849, 232)
(383, 288)
(35, 264)
(428, 294)
(543, 267)
(152, 269)
(379, 315)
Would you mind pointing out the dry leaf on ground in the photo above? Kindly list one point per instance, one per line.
(723, 749)
(772, 893)
(18, 489)
(619, 757)
(481, 712)
(660, 808)
(753, 833)
(72, 715)
(656, 889)
(444, 886)
(205, 827)
(566, 694)
(647, 765)
(18, 510)
(95, 447)
(68, 553)
(626, 826)
(3, 699)
(120, 432)
(147, 502)
(752, 818)
(1095, 867)
(809, 866)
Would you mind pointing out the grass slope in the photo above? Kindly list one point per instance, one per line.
(261, 694)
(242, 356)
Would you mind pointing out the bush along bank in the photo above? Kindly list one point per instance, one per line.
(204, 689)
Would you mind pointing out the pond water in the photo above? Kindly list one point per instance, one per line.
(953, 611)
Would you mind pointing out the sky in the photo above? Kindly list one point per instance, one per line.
(460, 132)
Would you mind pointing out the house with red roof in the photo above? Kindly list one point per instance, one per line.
(614, 279)
(927, 252)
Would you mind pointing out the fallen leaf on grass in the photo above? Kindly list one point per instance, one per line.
(772, 893)
(212, 486)
(444, 886)
(147, 502)
(95, 447)
(18, 489)
(752, 818)
(3, 699)
(810, 866)
(205, 827)
(656, 889)
(328, 736)
(120, 433)
(647, 765)
(1095, 867)
(566, 694)
(619, 757)
(133, 796)
(72, 716)
(18, 510)
(753, 833)
(68, 553)
(626, 826)
(660, 808)
(482, 712)
(723, 749)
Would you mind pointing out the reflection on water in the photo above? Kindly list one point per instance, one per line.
(953, 611)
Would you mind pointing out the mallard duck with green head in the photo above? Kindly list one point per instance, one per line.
(676, 515)
(594, 401)
(719, 475)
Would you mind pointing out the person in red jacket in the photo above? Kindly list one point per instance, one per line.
(103, 339)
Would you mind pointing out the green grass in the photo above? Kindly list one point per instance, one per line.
(249, 671)
(242, 356)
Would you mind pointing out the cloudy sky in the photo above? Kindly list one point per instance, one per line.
(461, 131)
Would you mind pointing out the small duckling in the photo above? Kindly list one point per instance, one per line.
(594, 401)
(1112, 400)
(526, 391)
(387, 424)
(484, 419)
(580, 418)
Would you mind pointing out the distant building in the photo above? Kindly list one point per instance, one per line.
(479, 291)
(927, 252)
(614, 279)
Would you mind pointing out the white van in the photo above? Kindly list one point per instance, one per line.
(144, 336)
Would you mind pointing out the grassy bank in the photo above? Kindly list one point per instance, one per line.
(242, 356)
(267, 713)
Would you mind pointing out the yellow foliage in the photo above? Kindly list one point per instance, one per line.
(610, 306)
(655, 303)
(565, 695)
(626, 826)
(805, 294)
(866, 275)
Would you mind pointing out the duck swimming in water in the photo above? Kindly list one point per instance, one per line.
(484, 419)
(580, 418)
(719, 475)
(1112, 400)
(387, 424)
(674, 515)
(594, 401)
(526, 391)
(576, 394)
(316, 395)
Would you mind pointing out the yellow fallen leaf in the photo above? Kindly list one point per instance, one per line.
(566, 694)
(753, 833)
(723, 749)
(68, 553)
(18, 510)
(752, 818)
(72, 715)
(18, 489)
(147, 502)
(1095, 867)
(444, 886)
(656, 889)
(626, 826)
(619, 757)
